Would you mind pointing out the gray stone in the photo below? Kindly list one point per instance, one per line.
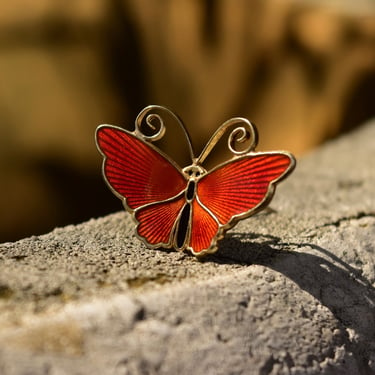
(290, 291)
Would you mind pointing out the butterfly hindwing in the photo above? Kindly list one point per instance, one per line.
(157, 222)
(204, 228)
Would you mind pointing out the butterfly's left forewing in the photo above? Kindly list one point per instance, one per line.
(150, 185)
(238, 189)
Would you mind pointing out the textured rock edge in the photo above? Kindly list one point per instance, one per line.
(289, 292)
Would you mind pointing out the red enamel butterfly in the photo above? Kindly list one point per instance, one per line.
(188, 208)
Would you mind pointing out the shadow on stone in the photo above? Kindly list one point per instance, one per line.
(333, 282)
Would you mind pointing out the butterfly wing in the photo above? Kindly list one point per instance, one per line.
(141, 176)
(204, 228)
(152, 188)
(236, 190)
(157, 222)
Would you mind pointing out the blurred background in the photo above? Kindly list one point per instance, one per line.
(303, 71)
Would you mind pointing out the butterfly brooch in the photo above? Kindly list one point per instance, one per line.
(188, 208)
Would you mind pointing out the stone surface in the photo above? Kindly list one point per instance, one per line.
(302, 70)
(290, 291)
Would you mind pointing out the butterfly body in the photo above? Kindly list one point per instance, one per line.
(186, 208)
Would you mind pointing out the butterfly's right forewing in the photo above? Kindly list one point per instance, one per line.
(243, 186)
(232, 192)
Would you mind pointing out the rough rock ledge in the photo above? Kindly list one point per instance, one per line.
(291, 291)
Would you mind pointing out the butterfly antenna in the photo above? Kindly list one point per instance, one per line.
(243, 133)
(148, 114)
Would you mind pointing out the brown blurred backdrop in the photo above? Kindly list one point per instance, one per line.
(303, 71)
